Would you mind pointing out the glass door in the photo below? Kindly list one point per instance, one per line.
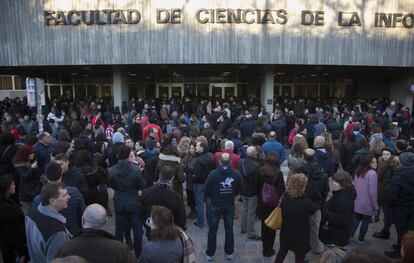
(54, 91)
(168, 90)
(284, 90)
(223, 90)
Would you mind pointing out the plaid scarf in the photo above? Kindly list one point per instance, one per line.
(189, 255)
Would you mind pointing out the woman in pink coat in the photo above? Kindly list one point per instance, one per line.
(366, 203)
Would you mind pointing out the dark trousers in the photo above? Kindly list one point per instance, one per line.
(281, 255)
(190, 199)
(214, 216)
(364, 225)
(388, 210)
(121, 222)
(268, 238)
(401, 219)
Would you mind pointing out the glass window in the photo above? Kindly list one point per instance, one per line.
(190, 90)
(216, 92)
(287, 91)
(54, 91)
(202, 90)
(176, 91)
(163, 92)
(18, 83)
(325, 91)
(6, 83)
(68, 91)
(80, 91)
(93, 90)
(300, 91)
(150, 90)
(229, 92)
(107, 91)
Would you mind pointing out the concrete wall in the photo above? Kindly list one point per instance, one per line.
(26, 40)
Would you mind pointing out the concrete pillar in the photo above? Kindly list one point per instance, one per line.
(400, 88)
(267, 88)
(120, 86)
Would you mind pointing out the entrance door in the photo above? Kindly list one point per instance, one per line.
(168, 90)
(223, 90)
(285, 90)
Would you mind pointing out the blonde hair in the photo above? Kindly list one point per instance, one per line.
(183, 146)
(296, 185)
(331, 255)
(299, 145)
(202, 139)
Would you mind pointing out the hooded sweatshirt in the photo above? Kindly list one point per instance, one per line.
(223, 185)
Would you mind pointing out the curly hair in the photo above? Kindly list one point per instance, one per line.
(296, 185)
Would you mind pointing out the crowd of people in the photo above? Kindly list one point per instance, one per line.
(173, 161)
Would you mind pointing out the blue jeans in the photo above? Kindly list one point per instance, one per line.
(364, 226)
(199, 200)
(121, 222)
(214, 216)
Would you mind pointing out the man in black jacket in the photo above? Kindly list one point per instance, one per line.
(162, 193)
(203, 165)
(105, 247)
(127, 180)
(317, 190)
(249, 169)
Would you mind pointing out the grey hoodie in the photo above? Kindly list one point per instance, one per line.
(45, 233)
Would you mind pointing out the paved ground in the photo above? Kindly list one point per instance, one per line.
(251, 251)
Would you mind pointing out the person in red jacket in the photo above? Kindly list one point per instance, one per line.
(228, 148)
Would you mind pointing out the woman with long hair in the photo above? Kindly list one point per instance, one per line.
(296, 211)
(270, 173)
(12, 229)
(295, 158)
(27, 176)
(338, 211)
(165, 244)
(96, 178)
(366, 203)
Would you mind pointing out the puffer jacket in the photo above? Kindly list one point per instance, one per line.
(402, 184)
(126, 179)
(318, 185)
(385, 174)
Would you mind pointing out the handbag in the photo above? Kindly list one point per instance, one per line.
(270, 195)
(274, 220)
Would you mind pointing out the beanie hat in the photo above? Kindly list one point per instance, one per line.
(118, 137)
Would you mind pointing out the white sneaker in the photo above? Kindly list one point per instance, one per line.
(208, 258)
(231, 256)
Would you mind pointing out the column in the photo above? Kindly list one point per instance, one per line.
(120, 87)
(267, 88)
(400, 88)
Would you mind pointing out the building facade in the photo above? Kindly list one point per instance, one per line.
(125, 48)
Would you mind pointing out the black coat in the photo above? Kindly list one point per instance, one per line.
(204, 163)
(402, 184)
(317, 188)
(338, 212)
(295, 231)
(96, 246)
(249, 169)
(29, 182)
(161, 194)
(96, 180)
(12, 228)
(263, 211)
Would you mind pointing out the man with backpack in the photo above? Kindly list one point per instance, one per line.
(203, 165)
(249, 169)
